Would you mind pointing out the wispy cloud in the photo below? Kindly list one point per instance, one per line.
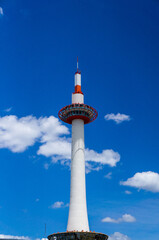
(143, 180)
(118, 236)
(17, 134)
(8, 109)
(1, 12)
(125, 218)
(118, 118)
(3, 236)
(128, 192)
(58, 204)
(46, 166)
(108, 175)
(41, 239)
(92, 167)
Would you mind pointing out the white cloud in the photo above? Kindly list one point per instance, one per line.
(3, 236)
(128, 192)
(118, 236)
(108, 175)
(61, 149)
(58, 205)
(128, 218)
(92, 167)
(37, 200)
(46, 166)
(8, 109)
(108, 157)
(51, 129)
(118, 118)
(125, 218)
(110, 220)
(41, 239)
(1, 11)
(17, 134)
(145, 180)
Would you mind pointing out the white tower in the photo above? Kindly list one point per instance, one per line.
(78, 114)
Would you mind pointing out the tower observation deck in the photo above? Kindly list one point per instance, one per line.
(78, 114)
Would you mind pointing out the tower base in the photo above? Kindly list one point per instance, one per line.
(78, 236)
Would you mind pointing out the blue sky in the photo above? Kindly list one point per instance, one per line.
(117, 45)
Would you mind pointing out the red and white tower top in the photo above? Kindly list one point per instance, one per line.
(78, 80)
(78, 110)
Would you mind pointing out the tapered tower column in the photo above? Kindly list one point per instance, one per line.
(78, 219)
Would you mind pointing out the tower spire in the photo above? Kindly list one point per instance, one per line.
(77, 63)
(78, 80)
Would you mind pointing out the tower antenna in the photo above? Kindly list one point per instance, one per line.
(77, 63)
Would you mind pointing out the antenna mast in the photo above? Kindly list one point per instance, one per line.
(77, 63)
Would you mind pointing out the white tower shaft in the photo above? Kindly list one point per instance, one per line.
(78, 219)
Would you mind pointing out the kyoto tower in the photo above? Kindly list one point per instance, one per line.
(78, 114)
